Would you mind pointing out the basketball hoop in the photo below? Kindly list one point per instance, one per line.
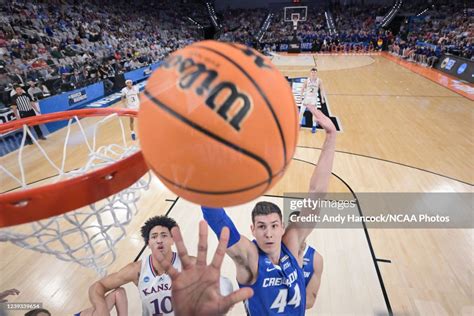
(80, 215)
(295, 14)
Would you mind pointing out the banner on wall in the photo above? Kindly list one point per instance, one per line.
(457, 66)
(294, 46)
(6, 115)
(306, 46)
(141, 73)
(12, 140)
(73, 99)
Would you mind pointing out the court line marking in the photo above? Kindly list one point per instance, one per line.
(384, 260)
(396, 95)
(367, 236)
(394, 162)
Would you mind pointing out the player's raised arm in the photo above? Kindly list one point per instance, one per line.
(319, 182)
(312, 288)
(97, 291)
(242, 251)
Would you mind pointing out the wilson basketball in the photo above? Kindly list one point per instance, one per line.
(218, 123)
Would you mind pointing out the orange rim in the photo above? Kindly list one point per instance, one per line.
(54, 199)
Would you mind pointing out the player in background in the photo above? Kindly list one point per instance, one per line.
(313, 270)
(130, 94)
(312, 96)
(117, 298)
(270, 265)
(148, 275)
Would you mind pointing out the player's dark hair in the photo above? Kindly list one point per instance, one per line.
(314, 69)
(151, 223)
(265, 208)
(35, 312)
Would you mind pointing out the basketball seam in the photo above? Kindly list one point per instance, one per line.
(216, 192)
(262, 94)
(212, 135)
(296, 116)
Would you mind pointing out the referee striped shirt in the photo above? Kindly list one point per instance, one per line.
(23, 102)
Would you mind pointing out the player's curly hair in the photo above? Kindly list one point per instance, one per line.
(152, 222)
(265, 208)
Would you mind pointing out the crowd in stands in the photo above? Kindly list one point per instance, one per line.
(52, 46)
(240, 25)
(356, 29)
(57, 46)
(447, 28)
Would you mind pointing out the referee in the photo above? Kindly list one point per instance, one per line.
(23, 107)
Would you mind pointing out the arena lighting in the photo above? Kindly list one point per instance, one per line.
(212, 14)
(422, 12)
(388, 18)
(264, 27)
(194, 22)
(330, 23)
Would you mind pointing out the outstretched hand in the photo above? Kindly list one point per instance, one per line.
(7, 293)
(324, 121)
(195, 290)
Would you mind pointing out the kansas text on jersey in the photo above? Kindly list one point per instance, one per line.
(155, 290)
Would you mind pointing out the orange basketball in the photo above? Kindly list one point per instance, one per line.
(218, 123)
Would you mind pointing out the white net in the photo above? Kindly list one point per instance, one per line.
(88, 235)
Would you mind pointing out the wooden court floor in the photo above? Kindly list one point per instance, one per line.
(401, 133)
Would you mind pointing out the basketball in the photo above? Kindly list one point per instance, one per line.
(218, 123)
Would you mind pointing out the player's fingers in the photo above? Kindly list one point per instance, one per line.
(202, 244)
(221, 248)
(167, 266)
(172, 272)
(238, 296)
(182, 251)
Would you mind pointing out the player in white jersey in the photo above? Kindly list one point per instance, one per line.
(115, 299)
(148, 274)
(132, 101)
(312, 96)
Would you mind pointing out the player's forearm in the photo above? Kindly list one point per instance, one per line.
(97, 295)
(310, 299)
(35, 107)
(217, 219)
(15, 111)
(322, 172)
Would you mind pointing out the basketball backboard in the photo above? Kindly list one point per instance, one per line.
(298, 12)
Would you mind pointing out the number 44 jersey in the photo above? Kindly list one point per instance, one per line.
(279, 288)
